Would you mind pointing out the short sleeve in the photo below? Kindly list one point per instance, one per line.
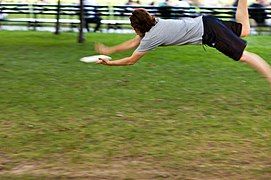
(147, 44)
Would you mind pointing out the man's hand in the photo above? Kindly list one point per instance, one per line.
(102, 49)
(106, 50)
(103, 61)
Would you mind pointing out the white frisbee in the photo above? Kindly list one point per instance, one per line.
(95, 58)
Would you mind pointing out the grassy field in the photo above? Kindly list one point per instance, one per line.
(180, 113)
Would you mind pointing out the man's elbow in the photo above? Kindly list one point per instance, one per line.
(130, 63)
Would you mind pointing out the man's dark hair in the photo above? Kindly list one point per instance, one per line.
(142, 21)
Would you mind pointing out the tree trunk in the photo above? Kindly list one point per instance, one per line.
(81, 38)
(57, 17)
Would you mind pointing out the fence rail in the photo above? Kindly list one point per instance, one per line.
(40, 14)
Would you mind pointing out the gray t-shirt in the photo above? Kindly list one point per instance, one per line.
(173, 32)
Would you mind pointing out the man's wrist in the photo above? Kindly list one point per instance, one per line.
(108, 63)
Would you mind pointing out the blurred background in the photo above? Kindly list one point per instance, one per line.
(143, 2)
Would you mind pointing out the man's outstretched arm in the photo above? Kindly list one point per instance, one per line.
(123, 62)
(130, 44)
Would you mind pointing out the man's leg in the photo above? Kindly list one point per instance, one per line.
(253, 60)
(257, 63)
(97, 20)
(242, 17)
(86, 24)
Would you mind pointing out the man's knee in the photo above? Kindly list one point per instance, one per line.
(244, 57)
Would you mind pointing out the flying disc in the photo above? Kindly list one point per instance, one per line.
(95, 58)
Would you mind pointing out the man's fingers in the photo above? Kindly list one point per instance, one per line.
(98, 47)
(102, 49)
(99, 62)
(102, 61)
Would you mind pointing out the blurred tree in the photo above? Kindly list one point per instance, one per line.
(57, 17)
(81, 38)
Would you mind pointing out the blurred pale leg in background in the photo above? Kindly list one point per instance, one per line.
(254, 60)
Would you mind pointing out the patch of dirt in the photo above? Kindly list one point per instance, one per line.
(236, 162)
(4, 161)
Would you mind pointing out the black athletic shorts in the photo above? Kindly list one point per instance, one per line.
(224, 36)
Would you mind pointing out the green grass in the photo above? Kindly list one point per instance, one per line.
(180, 112)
